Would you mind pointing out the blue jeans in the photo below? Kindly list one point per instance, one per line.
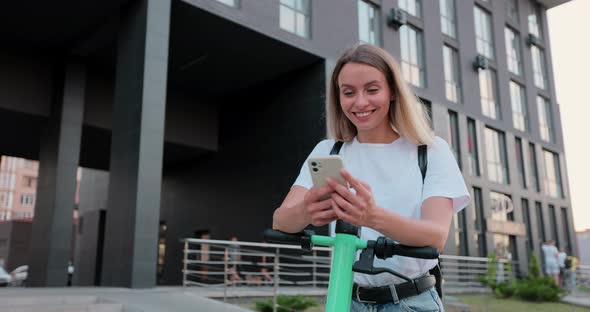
(428, 301)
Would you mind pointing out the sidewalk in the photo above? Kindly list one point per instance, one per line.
(578, 298)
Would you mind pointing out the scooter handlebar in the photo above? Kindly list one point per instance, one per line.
(276, 236)
(387, 248)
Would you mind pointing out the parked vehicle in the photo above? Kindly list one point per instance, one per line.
(5, 278)
(19, 275)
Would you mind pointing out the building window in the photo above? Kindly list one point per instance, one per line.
(566, 228)
(534, 177)
(541, 221)
(413, 7)
(452, 74)
(513, 52)
(501, 207)
(27, 199)
(535, 20)
(479, 222)
(552, 174)
(496, 156)
(553, 224)
(369, 23)
(488, 94)
(483, 33)
(461, 233)
(539, 68)
(412, 55)
(526, 216)
(519, 111)
(454, 136)
(231, 3)
(512, 10)
(473, 148)
(545, 119)
(520, 162)
(294, 16)
(448, 18)
(29, 181)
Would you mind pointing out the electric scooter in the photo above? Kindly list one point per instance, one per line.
(346, 243)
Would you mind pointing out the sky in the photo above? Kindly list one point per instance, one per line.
(569, 33)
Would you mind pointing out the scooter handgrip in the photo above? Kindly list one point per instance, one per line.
(276, 236)
(416, 252)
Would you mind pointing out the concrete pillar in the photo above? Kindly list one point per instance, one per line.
(56, 188)
(137, 143)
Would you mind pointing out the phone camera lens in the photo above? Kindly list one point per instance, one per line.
(313, 163)
(315, 169)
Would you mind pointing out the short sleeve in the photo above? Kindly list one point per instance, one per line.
(443, 177)
(323, 148)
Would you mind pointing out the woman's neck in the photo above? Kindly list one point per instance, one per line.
(377, 136)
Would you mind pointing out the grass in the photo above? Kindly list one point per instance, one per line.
(488, 303)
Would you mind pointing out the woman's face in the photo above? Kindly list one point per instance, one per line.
(364, 96)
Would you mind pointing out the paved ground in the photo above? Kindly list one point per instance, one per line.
(579, 298)
(176, 299)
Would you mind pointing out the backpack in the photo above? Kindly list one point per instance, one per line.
(423, 164)
(568, 262)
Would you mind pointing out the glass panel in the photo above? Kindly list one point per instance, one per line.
(483, 33)
(412, 59)
(539, 72)
(451, 71)
(294, 16)
(473, 148)
(447, 17)
(496, 156)
(519, 112)
(512, 10)
(487, 89)
(535, 21)
(520, 162)
(454, 136)
(369, 23)
(513, 51)
(411, 6)
(533, 169)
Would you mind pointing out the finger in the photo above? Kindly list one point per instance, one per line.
(342, 215)
(356, 184)
(320, 205)
(343, 191)
(324, 215)
(347, 207)
(321, 191)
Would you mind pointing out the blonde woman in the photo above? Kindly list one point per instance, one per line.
(375, 113)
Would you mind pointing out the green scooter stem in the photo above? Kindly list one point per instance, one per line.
(340, 287)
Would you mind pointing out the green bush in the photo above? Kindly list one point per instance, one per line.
(286, 304)
(505, 290)
(534, 269)
(538, 289)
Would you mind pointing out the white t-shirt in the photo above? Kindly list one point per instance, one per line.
(393, 173)
(551, 254)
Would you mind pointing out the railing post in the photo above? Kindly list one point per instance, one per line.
(275, 290)
(313, 273)
(184, 264)
(225, 281)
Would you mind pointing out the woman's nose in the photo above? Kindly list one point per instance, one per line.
(361, 101)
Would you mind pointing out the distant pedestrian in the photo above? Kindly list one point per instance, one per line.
(561, 260)
(550, 254)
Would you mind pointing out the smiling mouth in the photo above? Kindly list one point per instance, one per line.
(363, 114)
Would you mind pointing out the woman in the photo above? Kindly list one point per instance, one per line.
(381, 122)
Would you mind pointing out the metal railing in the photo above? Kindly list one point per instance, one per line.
(227, 264)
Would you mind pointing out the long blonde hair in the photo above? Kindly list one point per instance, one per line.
(406, 113)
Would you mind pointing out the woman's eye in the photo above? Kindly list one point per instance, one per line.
(348, 93)
(372, 91)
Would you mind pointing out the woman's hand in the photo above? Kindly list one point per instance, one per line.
(360, 208)
(317, 206)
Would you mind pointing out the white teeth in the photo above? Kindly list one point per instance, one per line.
(363, 114)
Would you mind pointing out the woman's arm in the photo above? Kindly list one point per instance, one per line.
(302, 207)
(431, 230)
(360, 209)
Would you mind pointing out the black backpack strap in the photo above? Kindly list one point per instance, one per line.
(423, 164)
(336, 148)
(423, 160)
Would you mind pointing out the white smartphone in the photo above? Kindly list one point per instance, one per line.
(323, 167)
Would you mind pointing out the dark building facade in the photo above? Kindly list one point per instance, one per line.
(194, 116)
